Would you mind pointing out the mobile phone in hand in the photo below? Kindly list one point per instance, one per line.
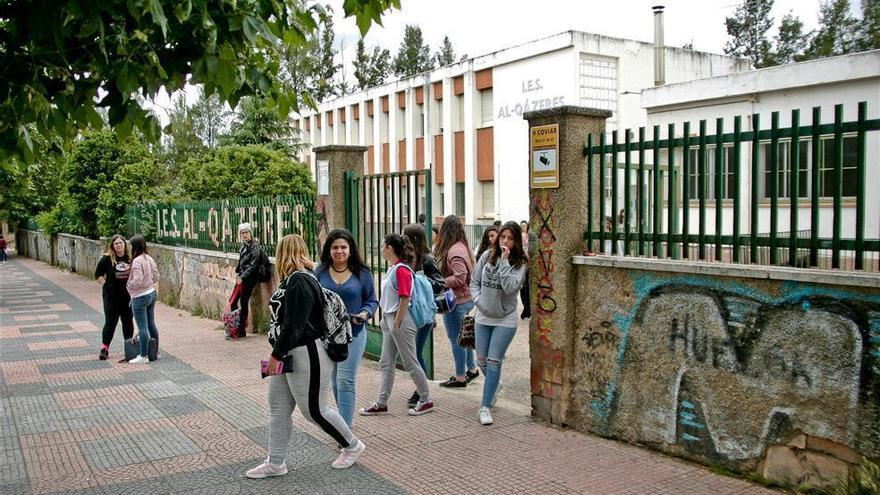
(264, 368)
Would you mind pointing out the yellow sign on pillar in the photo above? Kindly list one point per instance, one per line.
(544, 151)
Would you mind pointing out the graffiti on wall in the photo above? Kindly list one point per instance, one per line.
(722, 369)
(546, 304)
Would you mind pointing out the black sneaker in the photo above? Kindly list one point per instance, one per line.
(471, 375)
(103, 355)
(413, 400)
(453, 383)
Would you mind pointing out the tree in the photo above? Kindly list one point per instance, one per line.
(133, 183)
(371, 69)
(256, 123)
(325, 77)
(240, 171)
(790, 42)
(837, 31)
(181, 140)
(30, 188)
(869, 31)
(209, 119)
(414, 56)
(57, 58)
(446, 55)
(748, 31)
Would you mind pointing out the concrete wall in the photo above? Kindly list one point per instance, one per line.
(728, 369)
(191, 279)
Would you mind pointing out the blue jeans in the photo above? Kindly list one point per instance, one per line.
(344, 375)
(464, 358)
(492, 344)
(143, 310)
(422, 336)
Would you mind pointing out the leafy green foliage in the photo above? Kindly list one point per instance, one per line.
(371, 69)
(327, 68)
(58, 57)
(837, 30)
(210, 119)
(414, 55)
(30, 188)
(862, 480)
(256, 123)
(237, 171)
(790, 42)
(446, 54)
(869, 38)
(133, 183)
(748, 31)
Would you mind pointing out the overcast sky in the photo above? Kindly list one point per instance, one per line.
(477, 27)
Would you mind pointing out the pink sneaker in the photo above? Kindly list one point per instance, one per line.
(373, 410)
(422, 408)
(266, 470)
(348, 456)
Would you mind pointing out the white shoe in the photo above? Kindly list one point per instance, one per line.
(348, 456)
(139, 360)
(497, 393)
(485, 416)
(266, 470)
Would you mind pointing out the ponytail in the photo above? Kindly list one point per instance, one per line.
(401, 246)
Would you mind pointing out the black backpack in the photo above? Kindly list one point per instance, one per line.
(264, 269)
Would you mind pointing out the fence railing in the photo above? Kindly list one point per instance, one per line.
(213, 225)
(735, 196)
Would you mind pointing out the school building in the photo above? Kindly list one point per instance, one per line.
(464, 121)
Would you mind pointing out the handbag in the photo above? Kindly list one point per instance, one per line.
(466, 337)
(232, 317)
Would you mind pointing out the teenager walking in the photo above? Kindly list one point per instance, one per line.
(112, 273)
(499, 274)
(248, 270)
(296, 326)
(2, 249)
(398, 329)
(342, 270)
(142, 282)
(423, 263)
(456, 263)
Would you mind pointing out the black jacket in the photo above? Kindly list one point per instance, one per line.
(248, 267)
(296, 313)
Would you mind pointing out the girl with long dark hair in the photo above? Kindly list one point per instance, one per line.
(456, 263)
(342, 270)
(398, 328)
(489, 236)
(498, 276)
(112, 273)
(142, 283)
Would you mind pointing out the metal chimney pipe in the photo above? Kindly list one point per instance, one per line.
(659, 47)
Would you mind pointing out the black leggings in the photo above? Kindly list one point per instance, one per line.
(116, 307)
(244, 298)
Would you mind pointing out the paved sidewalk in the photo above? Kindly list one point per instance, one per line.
(195, 421)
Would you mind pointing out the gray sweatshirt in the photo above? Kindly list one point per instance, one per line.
(495, 287)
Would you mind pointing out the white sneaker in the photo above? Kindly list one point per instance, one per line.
(139, 360)
(497, 393)
(348, 456)
(266, 470)
(485, 416)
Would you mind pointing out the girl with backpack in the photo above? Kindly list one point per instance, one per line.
(342, 270)
(398, 328)
(424, 264)
(250, 271)
(296, 327)
(456, 263)
(498, 276)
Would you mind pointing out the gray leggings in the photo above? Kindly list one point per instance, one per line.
(402, 340)
(308, 384)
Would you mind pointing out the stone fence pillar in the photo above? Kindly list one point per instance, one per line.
(331, 164)
(558, 219)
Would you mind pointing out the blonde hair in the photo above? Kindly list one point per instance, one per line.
(112, 252)
(292, 255)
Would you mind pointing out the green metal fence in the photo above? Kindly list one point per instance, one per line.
(736, 196)
(377, 205)
(213, 225)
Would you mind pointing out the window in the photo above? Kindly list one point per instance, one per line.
(826, 168)
(459, 199)
(488, 199)
(487, 112)
(598, 84)
(850, 185)
(726, 170)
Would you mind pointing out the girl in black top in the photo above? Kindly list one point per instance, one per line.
(112, 273)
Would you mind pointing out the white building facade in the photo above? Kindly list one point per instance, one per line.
(464, 121)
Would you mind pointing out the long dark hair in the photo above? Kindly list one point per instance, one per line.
(355, 262)
(484, 242)
(138, 246)
(517, 253)
(416, 235)
(451, 233)
(401, 246)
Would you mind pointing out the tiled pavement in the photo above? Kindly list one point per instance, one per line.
(195, 420)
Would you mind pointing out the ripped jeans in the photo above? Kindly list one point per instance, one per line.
(492, 344)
